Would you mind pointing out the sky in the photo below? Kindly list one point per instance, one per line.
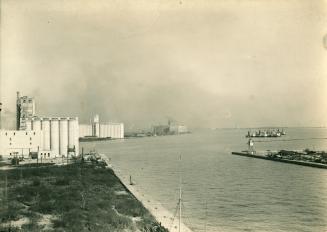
(202, 63)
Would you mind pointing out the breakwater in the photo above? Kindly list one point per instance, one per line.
(283, 160)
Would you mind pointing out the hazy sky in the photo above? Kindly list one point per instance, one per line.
(203, 63)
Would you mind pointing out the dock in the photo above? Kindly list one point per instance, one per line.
(282, 160)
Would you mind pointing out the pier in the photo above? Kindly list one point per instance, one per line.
(282, 160)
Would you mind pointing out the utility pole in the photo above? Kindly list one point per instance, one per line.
(180, 193)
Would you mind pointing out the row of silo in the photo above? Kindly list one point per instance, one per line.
(59, 134)
(113, 130)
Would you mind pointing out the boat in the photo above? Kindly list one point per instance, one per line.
(270, 133)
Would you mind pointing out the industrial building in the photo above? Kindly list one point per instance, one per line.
(59, 134)
(101, 130)
(20, 143)
(49, 137)
(171, 129)
(178, 129)
(25, 108)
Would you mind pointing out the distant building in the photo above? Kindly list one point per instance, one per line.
(102, 130)
(178, 129)
(25, 108)
(160, 130)
(111, 130)
(170, 129)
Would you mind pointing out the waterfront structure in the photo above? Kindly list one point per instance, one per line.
(178, 129)
(101, 130)
(170, 129)
(85, 130)
(25, 108)
(160, 130)
(111, 130)
(59, 134)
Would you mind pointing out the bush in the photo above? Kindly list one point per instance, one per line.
(36, 182)
(62, 181)
(15, 161)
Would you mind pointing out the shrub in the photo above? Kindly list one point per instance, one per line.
(62, 181)
(36, 182)
(15, 161)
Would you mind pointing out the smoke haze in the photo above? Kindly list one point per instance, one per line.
(203, 63)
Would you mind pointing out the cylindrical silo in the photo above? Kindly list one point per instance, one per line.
(71, 132)
(122, 130)
(63, 134)
(29, 124)
(36, 124)
(76, 143)
(46, 134)
(54, 138)
(111, 131)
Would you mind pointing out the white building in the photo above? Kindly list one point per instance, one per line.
(102, 130)
(85, 130)
(21, 143)
(111, 130)
(59, 134)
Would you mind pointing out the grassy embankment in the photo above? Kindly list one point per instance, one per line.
(76, 197)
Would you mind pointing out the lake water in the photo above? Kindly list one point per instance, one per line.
(224, 192)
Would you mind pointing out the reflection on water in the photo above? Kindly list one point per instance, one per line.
(223, 192)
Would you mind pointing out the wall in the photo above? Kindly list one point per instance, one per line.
(13, 142)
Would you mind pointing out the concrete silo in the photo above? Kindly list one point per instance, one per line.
(76, 143)
(28, 124)
(73, 134)
(46, 134)
(54, 136)
(122, 133)
(63, 136)
(36, 124)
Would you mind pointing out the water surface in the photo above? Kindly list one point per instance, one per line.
(224, 192)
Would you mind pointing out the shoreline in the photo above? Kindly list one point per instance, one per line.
(161, 214)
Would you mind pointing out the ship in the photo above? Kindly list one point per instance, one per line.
(265, 133)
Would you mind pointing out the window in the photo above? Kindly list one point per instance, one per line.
(26, 133)
(10, 139)
(6, 134)
(10, 144)
(9, 153)
(30, 101)
(14, 133)
(30, 138)
(33, 133)
(48, 154)
(30, 143)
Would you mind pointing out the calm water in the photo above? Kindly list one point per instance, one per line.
(223, 192)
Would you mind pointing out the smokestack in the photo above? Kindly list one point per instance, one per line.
(18, 111)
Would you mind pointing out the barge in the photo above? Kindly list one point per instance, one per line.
(291, 157)
(93, 138)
